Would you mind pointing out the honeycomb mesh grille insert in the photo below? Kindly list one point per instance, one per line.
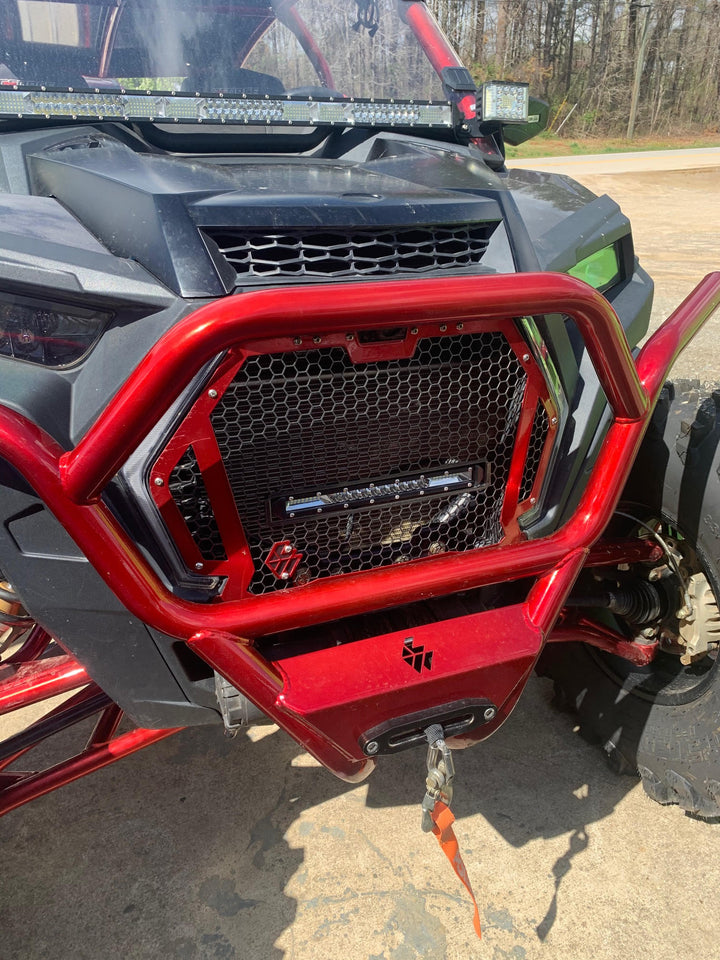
(535, 449)
(323, 253)
(187, 489)
(292, 424)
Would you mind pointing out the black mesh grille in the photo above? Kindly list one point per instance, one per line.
(323, 253)
(293, 424)
(535, 449)
(188, 491)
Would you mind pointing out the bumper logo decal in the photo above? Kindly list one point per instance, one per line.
(418, 657)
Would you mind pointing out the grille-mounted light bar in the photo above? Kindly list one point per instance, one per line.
(382, 492)
(168, 107)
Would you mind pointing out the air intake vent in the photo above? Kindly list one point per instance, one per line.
(359, 253)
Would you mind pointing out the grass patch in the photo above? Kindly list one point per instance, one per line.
(550, 145)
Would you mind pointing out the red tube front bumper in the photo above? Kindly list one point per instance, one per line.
(325, 721)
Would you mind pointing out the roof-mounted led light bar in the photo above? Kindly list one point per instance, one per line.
(168, 107)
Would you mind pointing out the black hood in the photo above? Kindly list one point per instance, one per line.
(178, 215)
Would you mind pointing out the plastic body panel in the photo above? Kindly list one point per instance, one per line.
(68, 596)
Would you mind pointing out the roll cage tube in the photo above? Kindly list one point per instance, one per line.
(436, 46)
(288, 15)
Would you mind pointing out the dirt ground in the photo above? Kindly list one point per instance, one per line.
(676, 228)
(205, 849)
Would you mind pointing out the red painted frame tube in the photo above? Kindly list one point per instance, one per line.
(324, 700)
(96, 755)
(61, 479)
(609, 553)
(263, 683)
(61, 718)
(34, 682)
(668, 341)
(583, 630)
(550, 592)
(164, 373)
(437, 47)
(35, 644)
(288, 14)
(24, 684)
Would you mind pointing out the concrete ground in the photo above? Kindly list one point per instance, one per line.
(638, 161)
(205, 849)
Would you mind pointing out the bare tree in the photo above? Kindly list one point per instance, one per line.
(586, 52)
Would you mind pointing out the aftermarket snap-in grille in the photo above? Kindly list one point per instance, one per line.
(187, 489)
(294, 425)
(338, 253)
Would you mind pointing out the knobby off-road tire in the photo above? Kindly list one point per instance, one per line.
(662, 722)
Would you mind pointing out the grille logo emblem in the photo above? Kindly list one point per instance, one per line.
(418, 657)
(283, 560)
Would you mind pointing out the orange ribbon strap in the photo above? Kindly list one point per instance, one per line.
(443, 820)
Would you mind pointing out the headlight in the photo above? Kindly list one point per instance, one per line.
(601, 269)
(45, 332)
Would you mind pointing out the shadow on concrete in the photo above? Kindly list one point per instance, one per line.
(156, 855)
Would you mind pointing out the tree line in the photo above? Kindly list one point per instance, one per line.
(592, 60)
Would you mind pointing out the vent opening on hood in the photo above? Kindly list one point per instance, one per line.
(351, 253)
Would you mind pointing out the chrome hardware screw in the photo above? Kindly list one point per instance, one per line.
(372, 747)
(526, 357)
(158, 481)
(199, 566)
(489, 713)
(212, 394)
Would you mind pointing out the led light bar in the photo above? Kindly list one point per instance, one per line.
(162, 107)
(382, 492)
(507, 102)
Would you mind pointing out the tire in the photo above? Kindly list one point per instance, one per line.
(663, 721)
